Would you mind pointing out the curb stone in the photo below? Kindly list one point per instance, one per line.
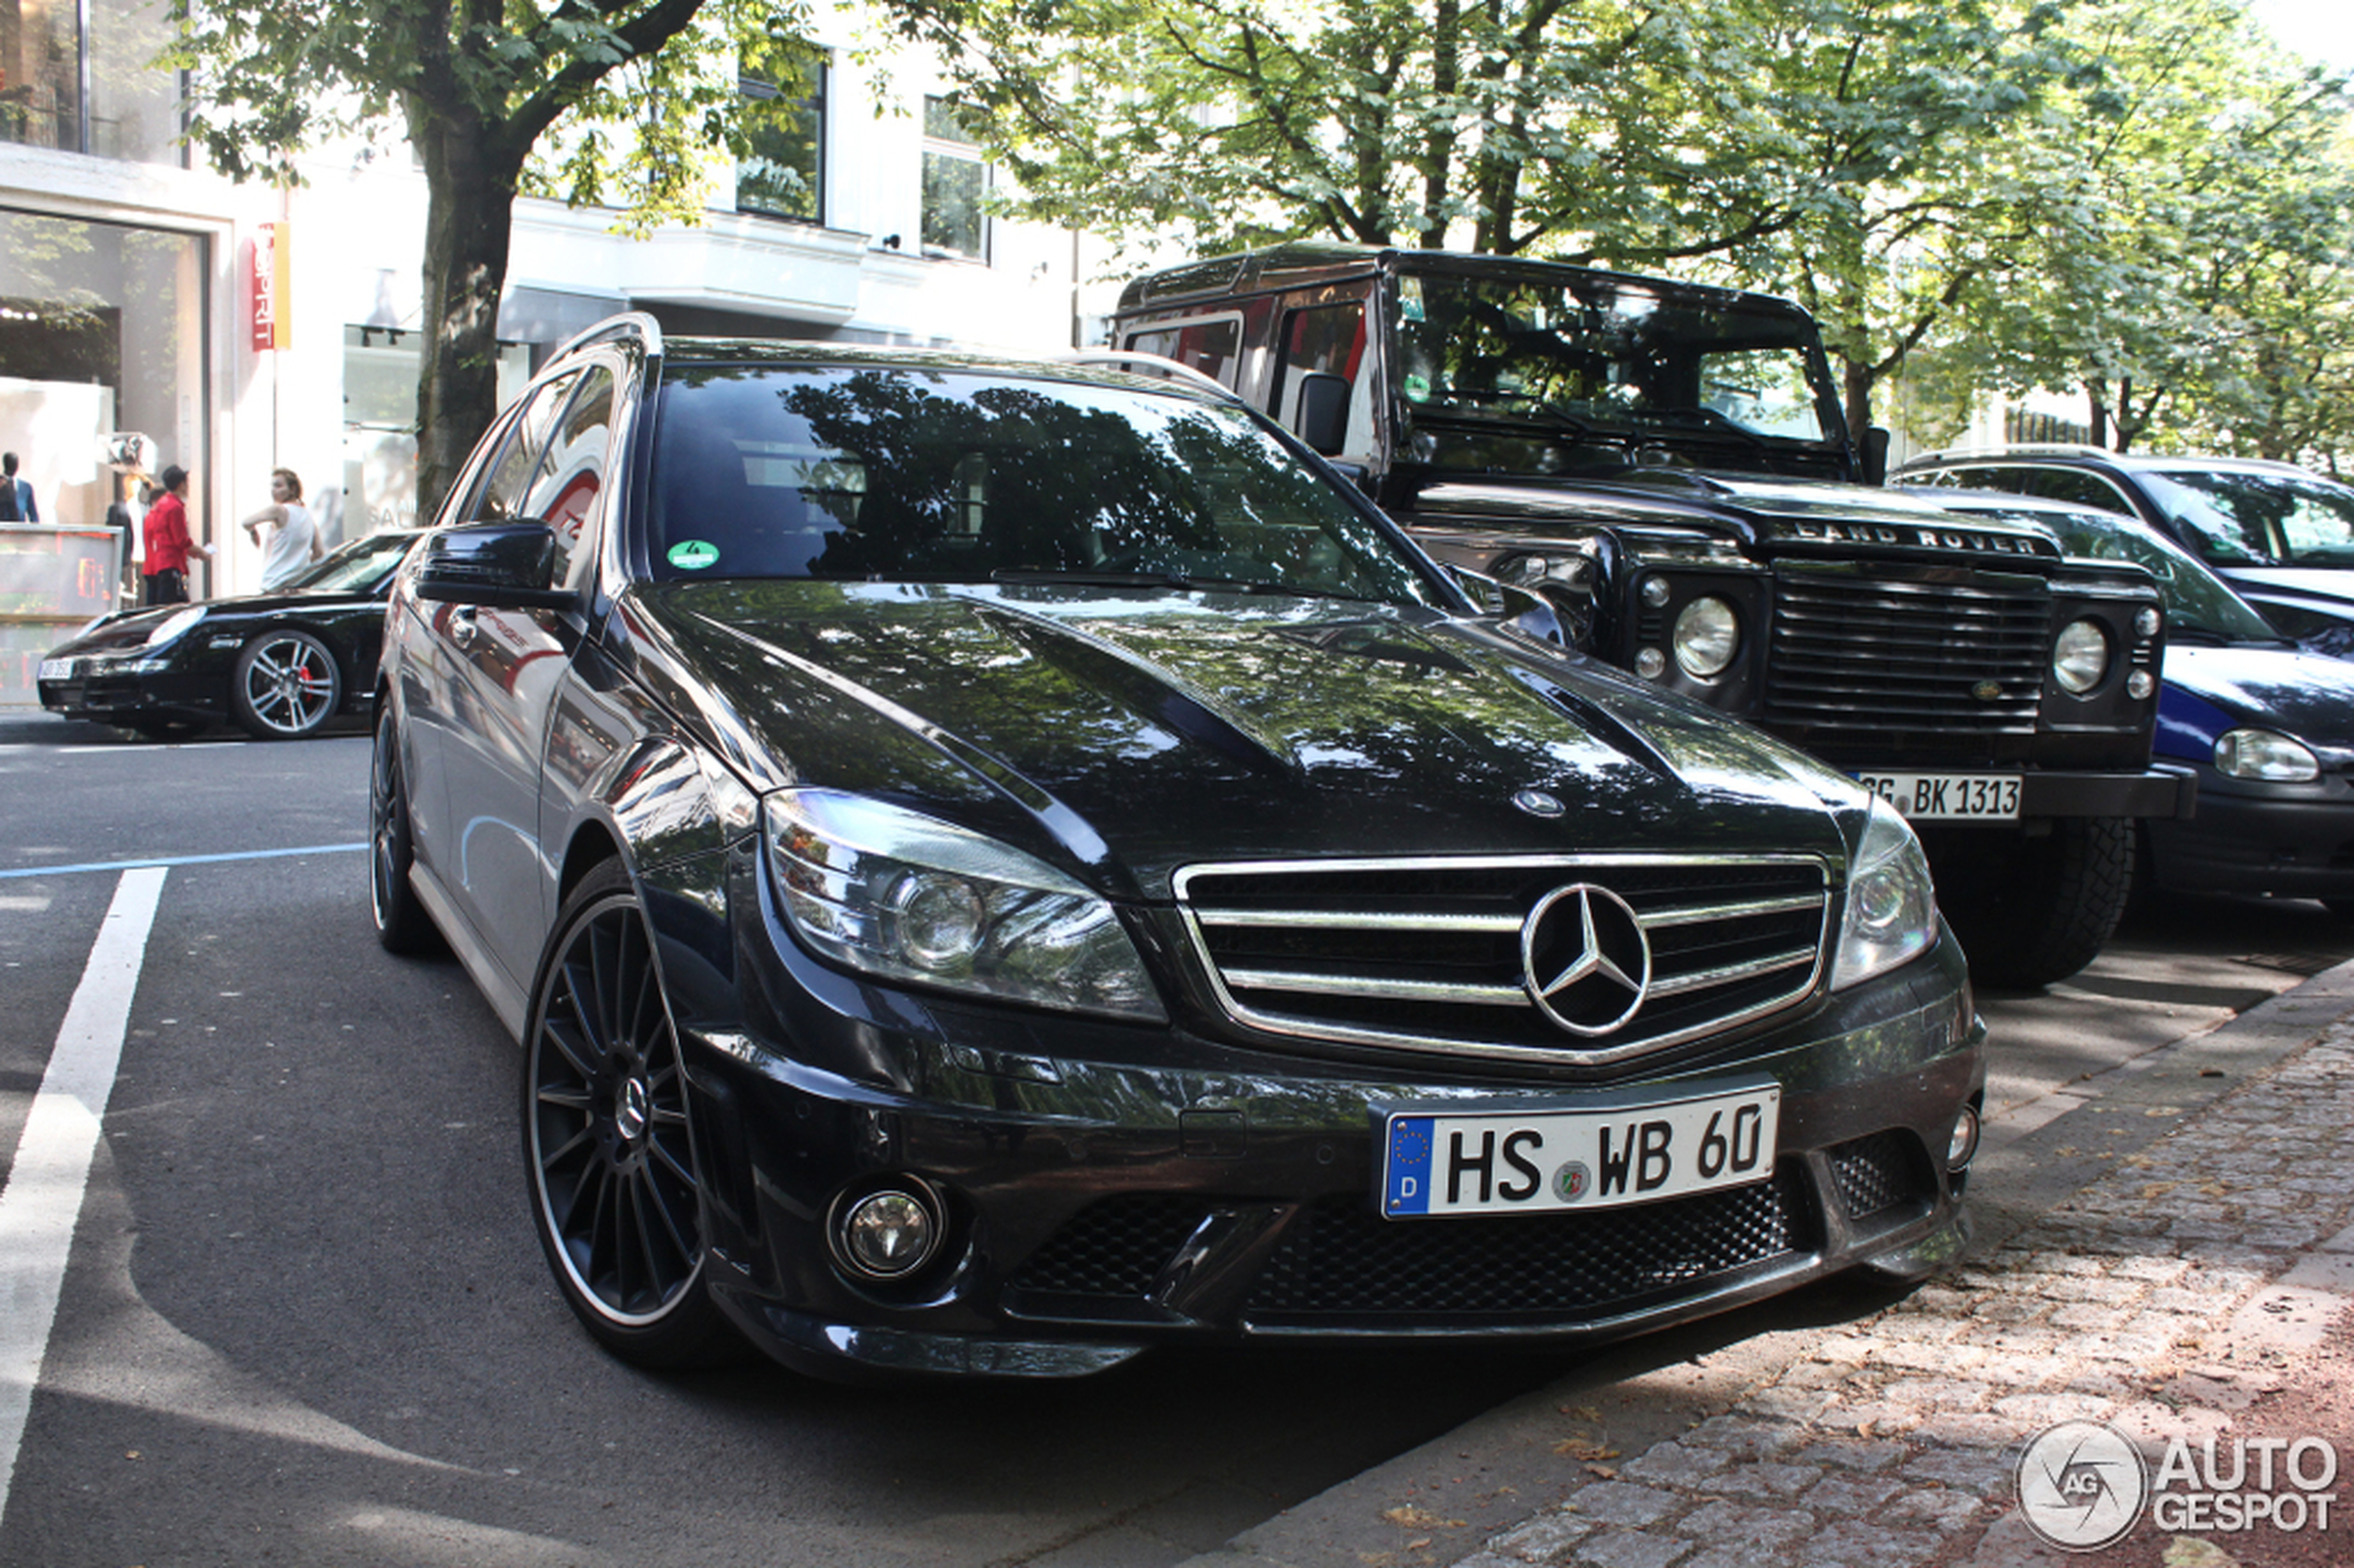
(2145, 1257)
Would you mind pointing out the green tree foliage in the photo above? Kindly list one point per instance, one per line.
(2137, 198)
(619, 101)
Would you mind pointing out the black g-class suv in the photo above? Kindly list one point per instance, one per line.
(1667, 464)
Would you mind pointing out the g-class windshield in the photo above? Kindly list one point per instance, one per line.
(1596, 355)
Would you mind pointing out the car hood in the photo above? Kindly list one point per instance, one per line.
(1141, 731)
(1774, 511)
(2308, 696)
(126, 630)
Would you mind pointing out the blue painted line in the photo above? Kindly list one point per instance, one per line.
(179, 860)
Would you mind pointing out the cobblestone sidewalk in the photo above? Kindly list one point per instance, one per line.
(2160, 1299)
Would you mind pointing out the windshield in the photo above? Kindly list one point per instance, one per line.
(358, 567)
(2198, 601)
(1600, 354)
(890, 474)
(2240, 519)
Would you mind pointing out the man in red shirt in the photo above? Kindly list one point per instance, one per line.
(168, 544)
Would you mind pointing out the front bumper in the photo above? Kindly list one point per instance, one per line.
(2294, 843)
(1110, 1189)
(113, 692)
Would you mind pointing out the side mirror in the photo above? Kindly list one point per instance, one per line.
(494, 566)
(1532, 613)
(1876, 456)
(1319, 417)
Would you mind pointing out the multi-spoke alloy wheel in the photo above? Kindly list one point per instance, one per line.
(286, 686)
(612, 1160)
(402, 925)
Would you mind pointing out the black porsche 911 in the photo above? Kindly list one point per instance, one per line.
(280, 664)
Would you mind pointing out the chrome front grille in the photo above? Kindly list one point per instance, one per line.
(1428, 954)
(1870, 656)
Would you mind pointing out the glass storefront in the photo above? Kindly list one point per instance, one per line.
(102, 332)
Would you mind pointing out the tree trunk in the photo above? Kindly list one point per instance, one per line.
(1859, 379)
(469, 219)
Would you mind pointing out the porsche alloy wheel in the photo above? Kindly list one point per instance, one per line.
(612, 1158)
(286, 686)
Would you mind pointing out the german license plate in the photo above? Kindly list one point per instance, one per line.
(1438, 1164)
(1947, 796)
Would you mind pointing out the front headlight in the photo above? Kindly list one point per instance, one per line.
(2080, 657)
(1891, 908)
(1707, 636)
(172, 627)
(2261, 754)
(905, 897)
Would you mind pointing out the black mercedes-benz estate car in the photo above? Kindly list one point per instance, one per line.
(998, 864)
(280, 664)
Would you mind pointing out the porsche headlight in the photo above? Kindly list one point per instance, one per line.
(1891, 908)
(902, 896)
(169, 630)
(2261, 754)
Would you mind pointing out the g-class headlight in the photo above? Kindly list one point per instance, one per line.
(2260, 753)
(1891, 908)
(905, 897)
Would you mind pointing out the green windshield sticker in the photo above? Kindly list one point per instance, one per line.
(693, 555)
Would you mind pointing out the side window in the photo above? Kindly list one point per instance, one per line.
(1213, 348)
(509, 482)
(1327, 340)
(565, 494)
(2080, 489)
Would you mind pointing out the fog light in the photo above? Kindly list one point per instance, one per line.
(2145, 623)
(1650, 664)
(2139, 685)
(1961, 1147)
(887, 1234)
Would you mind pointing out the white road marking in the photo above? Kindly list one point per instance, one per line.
(43, 1198)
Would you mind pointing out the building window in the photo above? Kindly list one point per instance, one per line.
(955, 182)
(49, 52)
(782, 172)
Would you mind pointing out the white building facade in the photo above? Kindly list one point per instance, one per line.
(131, 278)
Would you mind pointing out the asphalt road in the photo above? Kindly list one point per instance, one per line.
(303, 1317)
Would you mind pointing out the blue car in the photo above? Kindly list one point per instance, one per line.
(2267, 726)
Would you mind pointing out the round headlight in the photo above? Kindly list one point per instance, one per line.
(938, 920)
(2080, 657)
(1707, 636)
(2260, 753)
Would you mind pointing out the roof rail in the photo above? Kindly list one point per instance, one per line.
(1162, 364)
(627, 324)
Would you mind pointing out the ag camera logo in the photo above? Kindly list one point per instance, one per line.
(2082, 1485)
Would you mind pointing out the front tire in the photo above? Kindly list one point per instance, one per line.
(286, 686)
(402, 925)
(616, 1186)
(2031, 911)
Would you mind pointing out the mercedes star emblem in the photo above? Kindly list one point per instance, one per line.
(1584, 958)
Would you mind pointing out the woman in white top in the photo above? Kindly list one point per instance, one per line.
(295, 544)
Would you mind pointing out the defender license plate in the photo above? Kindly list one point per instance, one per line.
(1966, 797)
(1436, 1166)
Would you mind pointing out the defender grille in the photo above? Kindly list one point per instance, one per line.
(1427, 954)
(1872, 655)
